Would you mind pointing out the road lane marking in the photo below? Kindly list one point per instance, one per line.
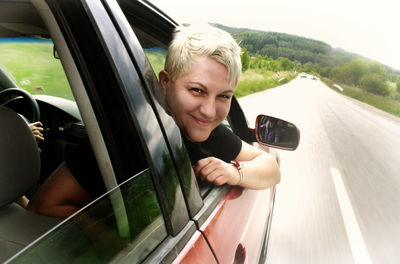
(357, 244)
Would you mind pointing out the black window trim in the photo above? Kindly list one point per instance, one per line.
(175, 144)
(211, 200)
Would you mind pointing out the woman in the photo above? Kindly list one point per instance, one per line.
(201, 72)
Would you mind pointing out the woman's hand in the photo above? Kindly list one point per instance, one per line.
(37, 129)
(217, 171)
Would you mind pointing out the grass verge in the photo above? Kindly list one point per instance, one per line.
(389, 104)
(253, 81)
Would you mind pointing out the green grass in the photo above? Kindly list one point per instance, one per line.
(33, 68)
(388, 104)
(253, 81)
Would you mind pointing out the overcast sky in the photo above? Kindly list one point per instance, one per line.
(368, 28)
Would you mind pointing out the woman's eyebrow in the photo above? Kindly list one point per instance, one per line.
(199, 83)
(228, 91)
(205, 87)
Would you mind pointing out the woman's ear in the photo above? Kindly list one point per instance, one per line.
(163, 77)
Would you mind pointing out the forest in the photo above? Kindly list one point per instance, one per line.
(272, 51)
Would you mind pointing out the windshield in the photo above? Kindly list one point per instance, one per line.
(30, 64)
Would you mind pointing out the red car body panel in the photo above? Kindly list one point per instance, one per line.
(236, 229)
(196, 251)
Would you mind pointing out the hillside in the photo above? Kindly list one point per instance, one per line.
(295, 48)
(266, 53)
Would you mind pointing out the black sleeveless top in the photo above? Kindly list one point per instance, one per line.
(221, 143)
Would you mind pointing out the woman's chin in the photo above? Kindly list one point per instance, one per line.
(198, 137)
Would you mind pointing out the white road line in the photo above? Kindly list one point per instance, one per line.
(357, 244)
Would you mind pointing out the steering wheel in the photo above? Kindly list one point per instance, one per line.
(34, 107)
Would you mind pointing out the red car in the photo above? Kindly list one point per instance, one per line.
(91, 67)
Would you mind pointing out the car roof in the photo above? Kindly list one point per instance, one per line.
(20, 18)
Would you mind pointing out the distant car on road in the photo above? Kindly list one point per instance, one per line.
(303, 75)
(314, 78)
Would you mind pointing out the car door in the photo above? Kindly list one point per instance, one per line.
(143, 215)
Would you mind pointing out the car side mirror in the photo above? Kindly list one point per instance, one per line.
(276, 133)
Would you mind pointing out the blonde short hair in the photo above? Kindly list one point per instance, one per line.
(205, 40)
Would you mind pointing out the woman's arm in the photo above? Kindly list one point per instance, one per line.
(260, 170)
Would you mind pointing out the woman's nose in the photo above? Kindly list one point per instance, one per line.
(207, 109)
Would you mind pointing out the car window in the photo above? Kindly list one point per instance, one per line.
(156, 54)
(127, 217)
(94, 236)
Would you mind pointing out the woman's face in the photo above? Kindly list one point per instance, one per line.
(199, 100)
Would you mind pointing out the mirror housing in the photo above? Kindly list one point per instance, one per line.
(276, 133)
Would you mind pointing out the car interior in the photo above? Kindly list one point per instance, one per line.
(65, 130)
(22, 168)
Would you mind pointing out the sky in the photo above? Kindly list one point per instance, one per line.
(368, 28)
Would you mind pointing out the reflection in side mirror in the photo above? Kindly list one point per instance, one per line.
(277, 133)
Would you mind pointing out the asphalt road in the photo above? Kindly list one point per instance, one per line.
(339, 197)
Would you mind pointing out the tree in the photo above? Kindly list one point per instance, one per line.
(338, 74)
(355, 69)
(285, 64)
(273, 66)
(258, 62)
(375, 67)
(374, 83)
(245, 58)
(309, 67)
(398, 85)
(325, 71)
(297, 66)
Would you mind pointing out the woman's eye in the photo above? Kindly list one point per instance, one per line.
(196, 90)
(223, 96)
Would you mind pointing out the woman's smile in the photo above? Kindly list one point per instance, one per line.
(201, 122)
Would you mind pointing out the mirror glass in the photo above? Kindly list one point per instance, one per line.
(277, 133)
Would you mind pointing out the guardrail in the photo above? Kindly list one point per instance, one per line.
(338, 87)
